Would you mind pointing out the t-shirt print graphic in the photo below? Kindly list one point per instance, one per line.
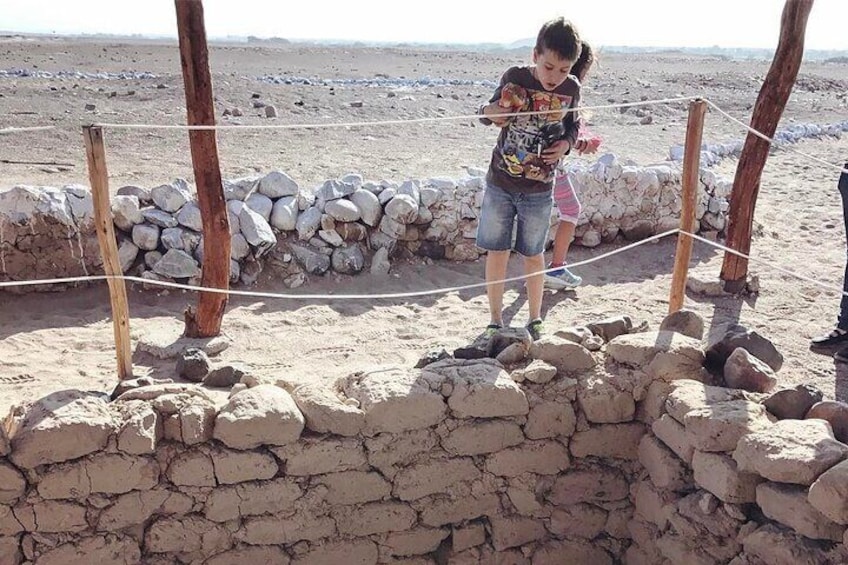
(523, 143)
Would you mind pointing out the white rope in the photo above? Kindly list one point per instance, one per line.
(772, 142)
(388, 122)
(394, 295)
(25, 129)
(765, 263)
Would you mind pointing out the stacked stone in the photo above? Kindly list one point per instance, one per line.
(620, 198)
(713, 153)
(724, 480)
(453, 460)
(339, 227)
(47, 232)
(599, 444)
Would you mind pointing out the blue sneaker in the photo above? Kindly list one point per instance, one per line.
(561, 279)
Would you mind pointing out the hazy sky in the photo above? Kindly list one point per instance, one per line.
(728, 23)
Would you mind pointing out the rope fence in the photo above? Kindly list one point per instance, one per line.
(686, 235)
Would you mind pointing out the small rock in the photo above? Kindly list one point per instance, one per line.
(226, 376)
(505, 337)
(611, 328)
(90, 107)
(133, 384)
(193, 365)
(793, 403)
(835, 413)
(744, 371)
(685, 322)
(270, 111)
(432, 357)
(751, 341)
(513, 354)
(356, 104)
(593, 343)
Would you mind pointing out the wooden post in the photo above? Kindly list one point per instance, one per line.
(691, 176)
(194, 57)
(95, 151)
(767, 112)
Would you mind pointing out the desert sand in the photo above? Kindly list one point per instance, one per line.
(64, 340)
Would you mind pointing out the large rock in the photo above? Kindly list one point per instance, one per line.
(12, 484)
(776, 545)
(170, 197)
(59, 427)
(790, 451)
(793, 403)
(403, 209)
(369, 207)
(788, 505)
(603, 402)
(257, 231)
(284, 214)
(343, 210)
(477, 438)
(688, 395)
(262, 415)
(277, 184)
(829, 494)
(685, 322)
(739, 336)
(566, 356)
(326, 410)
(664, 468)
(718, 427)
(111, 549)
(663, 355)
(834, 413)
(126, 212)
(481, 389)
(395, 400)
(743, 370)
(719, 474)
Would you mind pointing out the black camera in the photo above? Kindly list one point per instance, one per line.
(549, 134)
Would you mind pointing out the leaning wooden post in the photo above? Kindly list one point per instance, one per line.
(95, 151)
(194, 56)
(691, 176)
(767, 112)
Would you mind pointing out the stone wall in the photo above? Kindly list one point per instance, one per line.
(343, 226)
(551, 454)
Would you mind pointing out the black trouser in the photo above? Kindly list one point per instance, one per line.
(843, 306)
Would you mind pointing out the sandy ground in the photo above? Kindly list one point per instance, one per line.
(64, 340)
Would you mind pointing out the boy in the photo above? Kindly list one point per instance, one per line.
(524, 160)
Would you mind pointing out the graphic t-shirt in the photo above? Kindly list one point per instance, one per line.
(517, 164)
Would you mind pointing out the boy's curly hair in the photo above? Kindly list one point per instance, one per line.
(561, 37)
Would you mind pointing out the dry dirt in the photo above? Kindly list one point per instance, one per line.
(64, 340)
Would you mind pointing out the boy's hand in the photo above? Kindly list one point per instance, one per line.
(491, 112)
(554, 153)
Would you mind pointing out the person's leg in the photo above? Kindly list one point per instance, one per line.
(568, 207)
(843, 305)
(496, 263)
(839, 335)
(534, 218)
(494, 234)
(562, 241)
(535, 285)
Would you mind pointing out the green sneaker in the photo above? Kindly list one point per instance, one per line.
(492, 329)
(535, 329)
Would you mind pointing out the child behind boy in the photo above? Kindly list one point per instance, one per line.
(565, 196)
(524, 160)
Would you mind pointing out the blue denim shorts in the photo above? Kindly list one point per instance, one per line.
(530, 214)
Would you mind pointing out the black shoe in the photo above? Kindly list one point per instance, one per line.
(841, 356)
(836, 337)
(534, 328)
